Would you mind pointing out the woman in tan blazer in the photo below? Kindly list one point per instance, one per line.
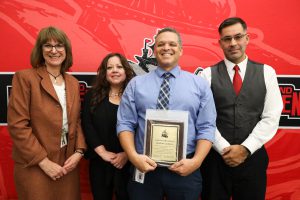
(44, 122)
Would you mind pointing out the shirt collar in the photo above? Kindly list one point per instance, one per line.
(242, 65)
(175, 71)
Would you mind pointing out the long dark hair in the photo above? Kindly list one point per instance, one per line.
(101, 86)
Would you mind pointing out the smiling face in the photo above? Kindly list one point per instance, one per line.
(54, 53)
(234, 41)
(115, 73)
(167, 50)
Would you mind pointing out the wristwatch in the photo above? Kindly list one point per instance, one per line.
(79, 151)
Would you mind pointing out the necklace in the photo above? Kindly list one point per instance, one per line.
(115, 95)
(55, 77)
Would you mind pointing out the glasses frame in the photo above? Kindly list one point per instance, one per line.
(58, 47)
(237, 38)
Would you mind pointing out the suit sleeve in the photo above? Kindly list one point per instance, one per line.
(25, 142)
(80, 140)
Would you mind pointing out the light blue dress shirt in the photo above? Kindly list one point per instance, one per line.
(188, 92)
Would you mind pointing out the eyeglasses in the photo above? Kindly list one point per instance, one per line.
(238, 37)
(58, 47)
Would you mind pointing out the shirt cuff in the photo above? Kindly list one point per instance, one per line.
(209, 137)
(252, 144)
(220, 145)
(220, 142)
(121, 128)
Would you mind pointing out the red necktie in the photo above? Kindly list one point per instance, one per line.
(237, 80)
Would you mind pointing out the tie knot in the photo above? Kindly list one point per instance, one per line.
(167, 75)
(236, 68)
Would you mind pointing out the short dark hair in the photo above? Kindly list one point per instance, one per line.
(232, 21)
(46, 34)
(172, 30)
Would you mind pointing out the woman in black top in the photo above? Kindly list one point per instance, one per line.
(109, 169)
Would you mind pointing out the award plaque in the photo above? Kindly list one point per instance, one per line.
(164, 141)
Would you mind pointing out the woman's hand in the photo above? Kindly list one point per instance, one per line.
(120, 160)
(107, 156)
(72, 161)
(53, 170)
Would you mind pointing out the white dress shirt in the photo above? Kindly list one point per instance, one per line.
(267, 127)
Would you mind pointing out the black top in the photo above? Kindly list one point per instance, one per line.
(100, 129)
(100, 126)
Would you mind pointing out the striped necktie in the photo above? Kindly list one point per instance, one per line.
(164, 93)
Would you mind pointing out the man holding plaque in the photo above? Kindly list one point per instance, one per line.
(167, 88)
(249, 105)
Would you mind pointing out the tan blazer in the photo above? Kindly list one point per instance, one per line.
(35, 117)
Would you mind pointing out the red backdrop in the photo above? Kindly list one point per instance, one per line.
(97, 27)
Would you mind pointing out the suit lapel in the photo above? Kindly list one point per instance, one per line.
(46, 83)
(70, 93)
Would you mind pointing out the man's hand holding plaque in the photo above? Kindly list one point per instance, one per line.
(164, 141)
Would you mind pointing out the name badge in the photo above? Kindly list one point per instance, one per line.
(138, 176)
(63, 139)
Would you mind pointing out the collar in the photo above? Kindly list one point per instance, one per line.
(174, 72)
(242, 65)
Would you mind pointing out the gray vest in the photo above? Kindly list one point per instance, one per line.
(238, 115)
